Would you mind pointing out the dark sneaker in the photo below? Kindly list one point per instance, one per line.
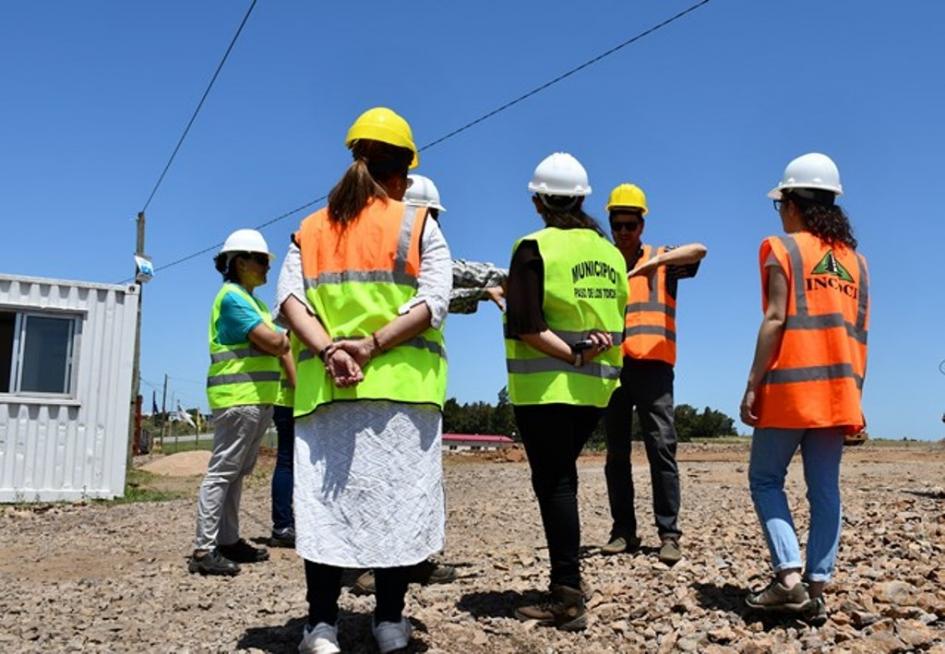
(243, 552)
(424, 573)
(670, 554)
(282, 537)
(364, 584)
(816, 612)
(212, 563)
(565, 610)
(619, 545)
(779, 598)
(432, 571)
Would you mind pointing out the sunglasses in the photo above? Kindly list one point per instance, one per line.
(630, 225)
(258, 257)
(777, 205)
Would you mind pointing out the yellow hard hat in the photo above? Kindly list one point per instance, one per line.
(627, 195)
(384, 125)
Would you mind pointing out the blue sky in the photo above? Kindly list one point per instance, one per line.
(703, 115)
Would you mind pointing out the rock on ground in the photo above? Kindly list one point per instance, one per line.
(110, 578)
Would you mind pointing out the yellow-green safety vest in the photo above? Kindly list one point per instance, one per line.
(239, 373)
(355, 303)
(585, 288)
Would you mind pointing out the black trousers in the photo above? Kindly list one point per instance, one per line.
(323, 584)
(648, 386)
(553, 435)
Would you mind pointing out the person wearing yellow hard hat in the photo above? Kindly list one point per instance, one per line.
(364, 289)
(242, 385)
(473, 282)
(646, 382)
(567, 290)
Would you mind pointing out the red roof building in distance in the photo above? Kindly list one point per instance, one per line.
(455, 442)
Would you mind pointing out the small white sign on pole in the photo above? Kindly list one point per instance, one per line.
(144, 269)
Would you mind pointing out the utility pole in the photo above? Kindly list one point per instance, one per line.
(164, 402)
(136, 369)
(163, 411)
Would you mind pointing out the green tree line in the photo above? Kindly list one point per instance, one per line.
(498, 418)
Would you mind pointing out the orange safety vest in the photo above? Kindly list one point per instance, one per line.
(357, 276)
(816, 378)
(650, 316)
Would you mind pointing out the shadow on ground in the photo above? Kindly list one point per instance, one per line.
(354, 635)
(497, 604)
(731, 599)
(934, 494)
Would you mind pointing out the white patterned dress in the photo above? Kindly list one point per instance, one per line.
(368, 477)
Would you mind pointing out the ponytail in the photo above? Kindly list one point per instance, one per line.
(374, 163)
(350, 195)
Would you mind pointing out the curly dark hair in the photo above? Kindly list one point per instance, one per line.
(566, 213)
(225, 263)
(822, 217)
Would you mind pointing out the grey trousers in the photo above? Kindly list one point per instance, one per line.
(237, 433)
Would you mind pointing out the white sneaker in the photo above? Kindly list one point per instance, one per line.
(391, 636)
(323, 639)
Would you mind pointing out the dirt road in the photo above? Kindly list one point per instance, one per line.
(96, 578)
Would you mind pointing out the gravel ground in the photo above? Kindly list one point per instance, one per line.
(97, 578)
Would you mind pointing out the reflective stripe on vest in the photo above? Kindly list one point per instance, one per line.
(585, 289)
(817, 376)
(650, 316)
(239, 373)
(356, 279)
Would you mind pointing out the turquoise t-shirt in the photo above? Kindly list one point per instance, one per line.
(237, 319)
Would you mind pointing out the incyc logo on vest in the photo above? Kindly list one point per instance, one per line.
(830, 273)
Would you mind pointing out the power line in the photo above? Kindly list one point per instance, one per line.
(199, 105)
(480, 119)
(565, 75)
(215, 246)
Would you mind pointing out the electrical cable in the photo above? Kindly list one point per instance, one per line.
(469, 125)
(206, 92)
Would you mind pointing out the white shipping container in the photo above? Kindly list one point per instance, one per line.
(66, 357)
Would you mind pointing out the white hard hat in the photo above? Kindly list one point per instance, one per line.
(810, 171)
(560, 174)
(246, 240)
(422, 192)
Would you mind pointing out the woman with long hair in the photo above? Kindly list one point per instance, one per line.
(567, 289)
(806, 380)
(365, 288)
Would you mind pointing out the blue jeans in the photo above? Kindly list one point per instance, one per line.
(771, 452)
(282, 516)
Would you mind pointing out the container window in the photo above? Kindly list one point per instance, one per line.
(38, 353)
(47, 355)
